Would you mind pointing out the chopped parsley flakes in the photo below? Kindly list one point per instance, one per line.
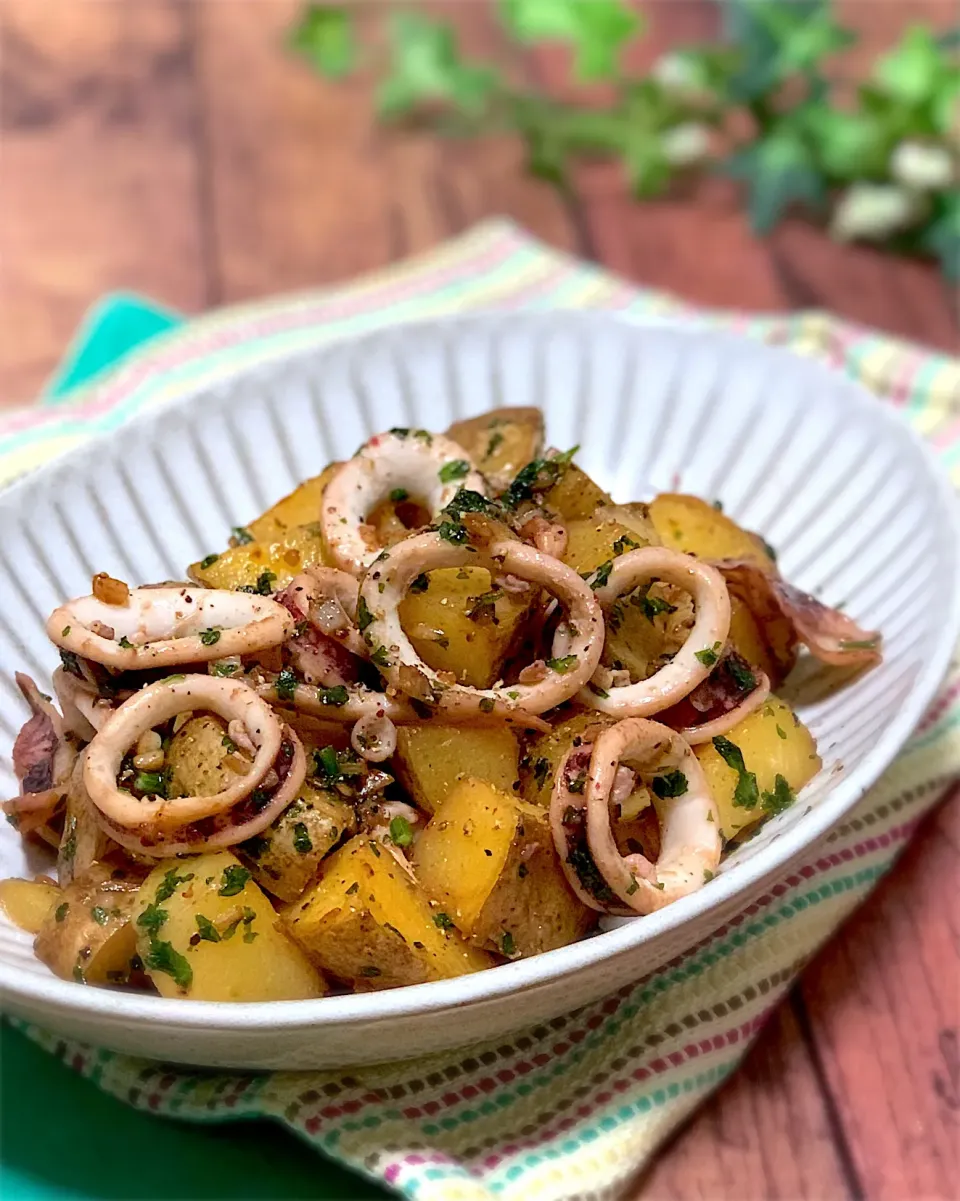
(233, 880)
(672, 784)
(456, 469)
(746, 794)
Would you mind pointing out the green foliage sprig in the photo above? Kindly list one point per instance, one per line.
(878, 163)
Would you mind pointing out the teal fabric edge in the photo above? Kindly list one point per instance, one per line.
(109, 330)
(153, 1157)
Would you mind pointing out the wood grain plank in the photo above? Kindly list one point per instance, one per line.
(99, 170)
(307, 188)
(765, 1134)
(884, 1007)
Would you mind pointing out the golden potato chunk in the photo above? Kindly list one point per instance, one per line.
(205, 931)
(287, 856)
(502, 441)
(88, 936)
(430, 759)
(27, 903)
(692, 525)
(199, 756)
(575, 496)
(263, 566)
(599, 538)
(370, 924)
(777, 750)
(545, 752)
(458, 622)
(300, 508)
(488, 860)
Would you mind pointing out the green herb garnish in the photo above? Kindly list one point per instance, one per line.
(397, 495)
(421, 583)
(781, 798)
(210, 637)
(208, 561)
(563, 665)
(335, 696)
(286, 684)
(672, 784)
(233, 880)
(302, 843)
(746, 794)
(163, 958)
(443, 921)
(456, 469)
(208, 931)
(507, 945)
(241, 536)
(364, 616)
(150, 783)
(400, 831)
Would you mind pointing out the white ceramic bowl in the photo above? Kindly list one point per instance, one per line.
(835, 481)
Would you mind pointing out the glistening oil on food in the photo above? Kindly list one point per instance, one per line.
(444, 706)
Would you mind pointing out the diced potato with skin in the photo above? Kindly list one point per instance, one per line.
(288, 855)
(447, 638)
(430, 759)
(266, 565)
(502, 441)
(27, 903)
(692, 525)
(773, 741)
(198, 758)
(88, 936)
(489, 862)
(301, 507)
(575, 496)
(598, 539)
(370, 924)
(205, 931)
(545, 752)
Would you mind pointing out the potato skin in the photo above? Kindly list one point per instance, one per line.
(489, 861)
(437, 620)
(237, 951)
(773, 741)
(287, 856)
(88, 936)
(368, 923)
(431, 758)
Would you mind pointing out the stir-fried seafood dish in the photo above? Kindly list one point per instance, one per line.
(445, 705)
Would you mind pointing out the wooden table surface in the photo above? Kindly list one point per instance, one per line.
(171, 146)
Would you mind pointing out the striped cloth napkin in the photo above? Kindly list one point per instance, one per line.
(573, 1107)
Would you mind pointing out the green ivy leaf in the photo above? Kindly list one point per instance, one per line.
(324, 35)
(597, 29)
(847, 145)
(913, 72)
(648, 169)
(942, 238)
(803, 39)
(427, 68)
(778, 171)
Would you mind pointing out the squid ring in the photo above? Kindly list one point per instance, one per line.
(165, 627)
(151, 706)
(577, 646)
(708, 730)
(689, 821)
(430, 468)
(694, 660)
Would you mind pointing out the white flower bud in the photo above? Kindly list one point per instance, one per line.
(686, 144)
(682, 77)
(922, 166)
(873, 211)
